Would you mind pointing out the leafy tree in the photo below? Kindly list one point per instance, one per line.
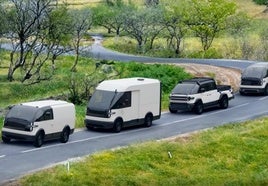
(59, 32)
(261, 2)
(144, 25)
(208, 18)
(3, 20)
(35, 33)
(81, 23)
(175, 24)
(109, 16)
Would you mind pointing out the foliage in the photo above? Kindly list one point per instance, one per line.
(207, 18)
(261, 2)
(169, 75)
(228, 155)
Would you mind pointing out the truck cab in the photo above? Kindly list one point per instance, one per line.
(198, 94)
(254, 79)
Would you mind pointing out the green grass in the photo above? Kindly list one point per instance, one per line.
(234, 154)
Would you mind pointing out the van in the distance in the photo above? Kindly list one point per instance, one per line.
(254, 79)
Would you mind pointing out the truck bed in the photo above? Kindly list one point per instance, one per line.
(223, 87)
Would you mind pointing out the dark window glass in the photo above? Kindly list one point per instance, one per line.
(46, 115)
(124, 101)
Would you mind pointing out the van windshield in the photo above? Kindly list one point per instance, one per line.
(185, 89)
(22, 112)
(254, 72)
(103, 100)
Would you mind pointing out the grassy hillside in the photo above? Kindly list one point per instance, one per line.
(248, 6)
(234, 154)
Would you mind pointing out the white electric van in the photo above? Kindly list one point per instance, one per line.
(254, 79)
(39, 121)
(120, 103)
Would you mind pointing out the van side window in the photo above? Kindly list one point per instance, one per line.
(47, 115)
(124, 101)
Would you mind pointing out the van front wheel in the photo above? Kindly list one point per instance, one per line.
(39, 139)
(5, 139)
(117, 125)
(64, 137)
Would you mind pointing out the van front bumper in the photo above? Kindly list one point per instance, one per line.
(252, 90)
(16, 136)
(98, 124)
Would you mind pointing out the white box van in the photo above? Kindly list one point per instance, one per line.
(120, 103)
(39, 121)
(254, 79)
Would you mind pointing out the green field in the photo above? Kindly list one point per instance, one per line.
(234, 154)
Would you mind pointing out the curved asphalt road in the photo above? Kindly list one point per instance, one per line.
(20, 158)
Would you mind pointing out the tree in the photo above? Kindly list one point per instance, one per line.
(81, 23)
(144, 25)
(3, 20)
(34, 34)
(208, 18)
(109, 16)
(261, 2)
(59, 32)
(175, 24)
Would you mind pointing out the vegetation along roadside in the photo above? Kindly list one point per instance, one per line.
(234, 154)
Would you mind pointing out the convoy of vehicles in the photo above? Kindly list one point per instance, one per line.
(127, 102)
(254, 79)
(39, 121)
(198, 94)
(116, 104)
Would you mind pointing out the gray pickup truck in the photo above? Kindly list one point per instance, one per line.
(198, 94)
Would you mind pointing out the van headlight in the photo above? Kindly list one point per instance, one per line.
(29, 127)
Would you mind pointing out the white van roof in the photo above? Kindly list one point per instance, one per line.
(45, 103)
(260, 64)
(125, 84)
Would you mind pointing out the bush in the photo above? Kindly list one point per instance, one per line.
(169, 75)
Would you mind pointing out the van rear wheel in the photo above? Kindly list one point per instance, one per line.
(148, 121)
(117, 125)
(39, 139)
(64, 137)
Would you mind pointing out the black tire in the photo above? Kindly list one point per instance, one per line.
(242, 93)
(64, 137)
(172, 110)
(5, 139)
(89, 127)
(117, 125)
(224, 102)
(266, 90)
(198, 108)
(39, 139)
(148, 121)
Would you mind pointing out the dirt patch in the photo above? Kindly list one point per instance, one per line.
(223, 76)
